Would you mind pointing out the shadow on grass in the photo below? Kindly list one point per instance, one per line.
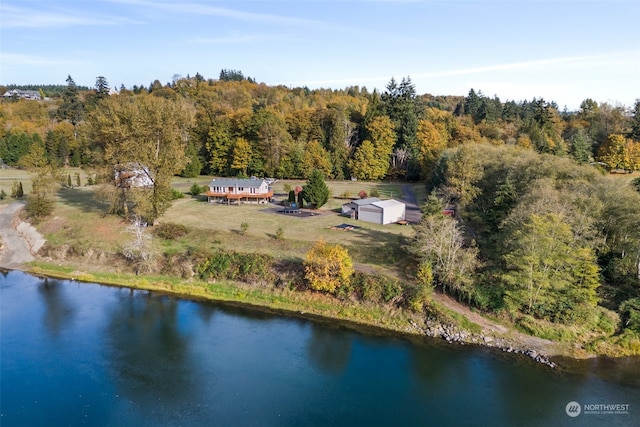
(82, 199)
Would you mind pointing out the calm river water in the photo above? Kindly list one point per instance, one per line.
(82, 354)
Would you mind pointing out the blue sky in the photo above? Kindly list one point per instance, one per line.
(563, 50)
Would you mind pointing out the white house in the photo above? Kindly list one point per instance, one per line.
(239, 190)
(375, 210)
(24, 94)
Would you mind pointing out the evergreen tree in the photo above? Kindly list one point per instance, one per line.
(635, 121)
(316, 191)
(71, 108)
(472, 104)
(581, 147)
(102, 88)
(402, 108)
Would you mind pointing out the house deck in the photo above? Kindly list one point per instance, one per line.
(238, 198)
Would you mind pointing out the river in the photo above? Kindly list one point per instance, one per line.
(75, 354)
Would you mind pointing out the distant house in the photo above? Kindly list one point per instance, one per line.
(375, 210)
(24, 94)
(132, 175)
(239, 190)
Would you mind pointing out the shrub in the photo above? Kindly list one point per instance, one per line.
(374, 193)
(19, 191)
(244, 227)
(346, 194)
(362, 194)
(376, 288)
(246, 267)
(175, 194)
(547, 330)
(606, 321)
(417, 297)
(287, 188)
(630, 313)
(196, 190)
(39, 206)
(78, 182)
(280, 233)
(170, 231)
(3, 194)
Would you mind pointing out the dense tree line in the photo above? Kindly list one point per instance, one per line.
(243, 127)
(534, 234)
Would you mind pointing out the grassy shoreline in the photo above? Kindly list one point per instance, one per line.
(288, 302)
(362, 317)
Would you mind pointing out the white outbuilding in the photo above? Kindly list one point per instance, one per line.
(375, 210)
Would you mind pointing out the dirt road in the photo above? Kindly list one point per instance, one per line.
(16, 249)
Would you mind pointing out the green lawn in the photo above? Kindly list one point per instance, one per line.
(78, 221)
(370, 243)
(11, 175)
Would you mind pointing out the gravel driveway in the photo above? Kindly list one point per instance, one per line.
(412, 213)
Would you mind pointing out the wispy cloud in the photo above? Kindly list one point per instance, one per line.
(590, 60)
(19, 17)
(205, 9)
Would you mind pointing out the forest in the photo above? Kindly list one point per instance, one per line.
(541, 230)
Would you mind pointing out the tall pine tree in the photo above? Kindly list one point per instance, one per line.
(316, 192)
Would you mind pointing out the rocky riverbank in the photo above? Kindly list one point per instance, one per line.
(450, 333)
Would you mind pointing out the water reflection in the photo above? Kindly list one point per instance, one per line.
(150, 354)
(59, 311)
(623, 370)
(432, 370)
(329, 349)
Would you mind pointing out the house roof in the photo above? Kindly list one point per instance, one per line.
(31, 94)
(233, 182)
(387, 203)
(362, 202)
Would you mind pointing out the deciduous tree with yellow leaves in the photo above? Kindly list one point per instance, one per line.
(327, 267)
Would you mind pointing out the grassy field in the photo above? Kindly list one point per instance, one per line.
(79, 220)
(369, 244)
(11, 175)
